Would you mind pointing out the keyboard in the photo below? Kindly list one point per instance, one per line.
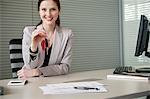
(143, 70)
(121, 69)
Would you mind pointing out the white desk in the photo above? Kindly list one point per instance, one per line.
(123, 89)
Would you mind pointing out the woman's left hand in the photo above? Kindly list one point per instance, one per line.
(25, 73)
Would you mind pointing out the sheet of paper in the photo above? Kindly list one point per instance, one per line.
(68, 88)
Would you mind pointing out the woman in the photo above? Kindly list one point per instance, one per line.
(47, 47)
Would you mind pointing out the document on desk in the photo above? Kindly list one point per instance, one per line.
(75, 87)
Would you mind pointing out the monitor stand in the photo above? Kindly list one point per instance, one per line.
(143, 70)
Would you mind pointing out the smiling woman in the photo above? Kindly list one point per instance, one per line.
(47, 47)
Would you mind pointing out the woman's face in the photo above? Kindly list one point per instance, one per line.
(48, 12)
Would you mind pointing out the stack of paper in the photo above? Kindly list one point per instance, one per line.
(70, 88)
(127, 77)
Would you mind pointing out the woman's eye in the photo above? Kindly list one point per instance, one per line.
(43, 9)
(53, 9)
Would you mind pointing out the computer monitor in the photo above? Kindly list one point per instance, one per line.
(142, 42)
(143, 37)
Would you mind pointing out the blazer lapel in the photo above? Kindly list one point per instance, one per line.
(42, 55)
(55, 47)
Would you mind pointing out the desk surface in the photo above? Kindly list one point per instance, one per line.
(124, 89)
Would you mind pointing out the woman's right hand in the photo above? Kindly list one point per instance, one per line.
(25, 73)
(37, 36)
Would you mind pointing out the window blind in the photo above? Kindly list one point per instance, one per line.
(132, 11)
(95, 24)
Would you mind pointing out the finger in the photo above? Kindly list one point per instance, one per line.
(39, 36)
(38, 31)
(20, 75)
(42, 34)
(19, 71)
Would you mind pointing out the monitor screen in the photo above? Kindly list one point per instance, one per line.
(143, 37)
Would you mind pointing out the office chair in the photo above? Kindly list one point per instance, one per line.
(16, 59)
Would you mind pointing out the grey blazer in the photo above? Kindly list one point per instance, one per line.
(60, 58)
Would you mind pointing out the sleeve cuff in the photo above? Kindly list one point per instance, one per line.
(33, 55)
(32, 51)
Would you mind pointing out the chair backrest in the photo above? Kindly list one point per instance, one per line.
(16, 59)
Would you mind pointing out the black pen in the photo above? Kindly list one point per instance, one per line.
(86, 88)
(16, 82)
